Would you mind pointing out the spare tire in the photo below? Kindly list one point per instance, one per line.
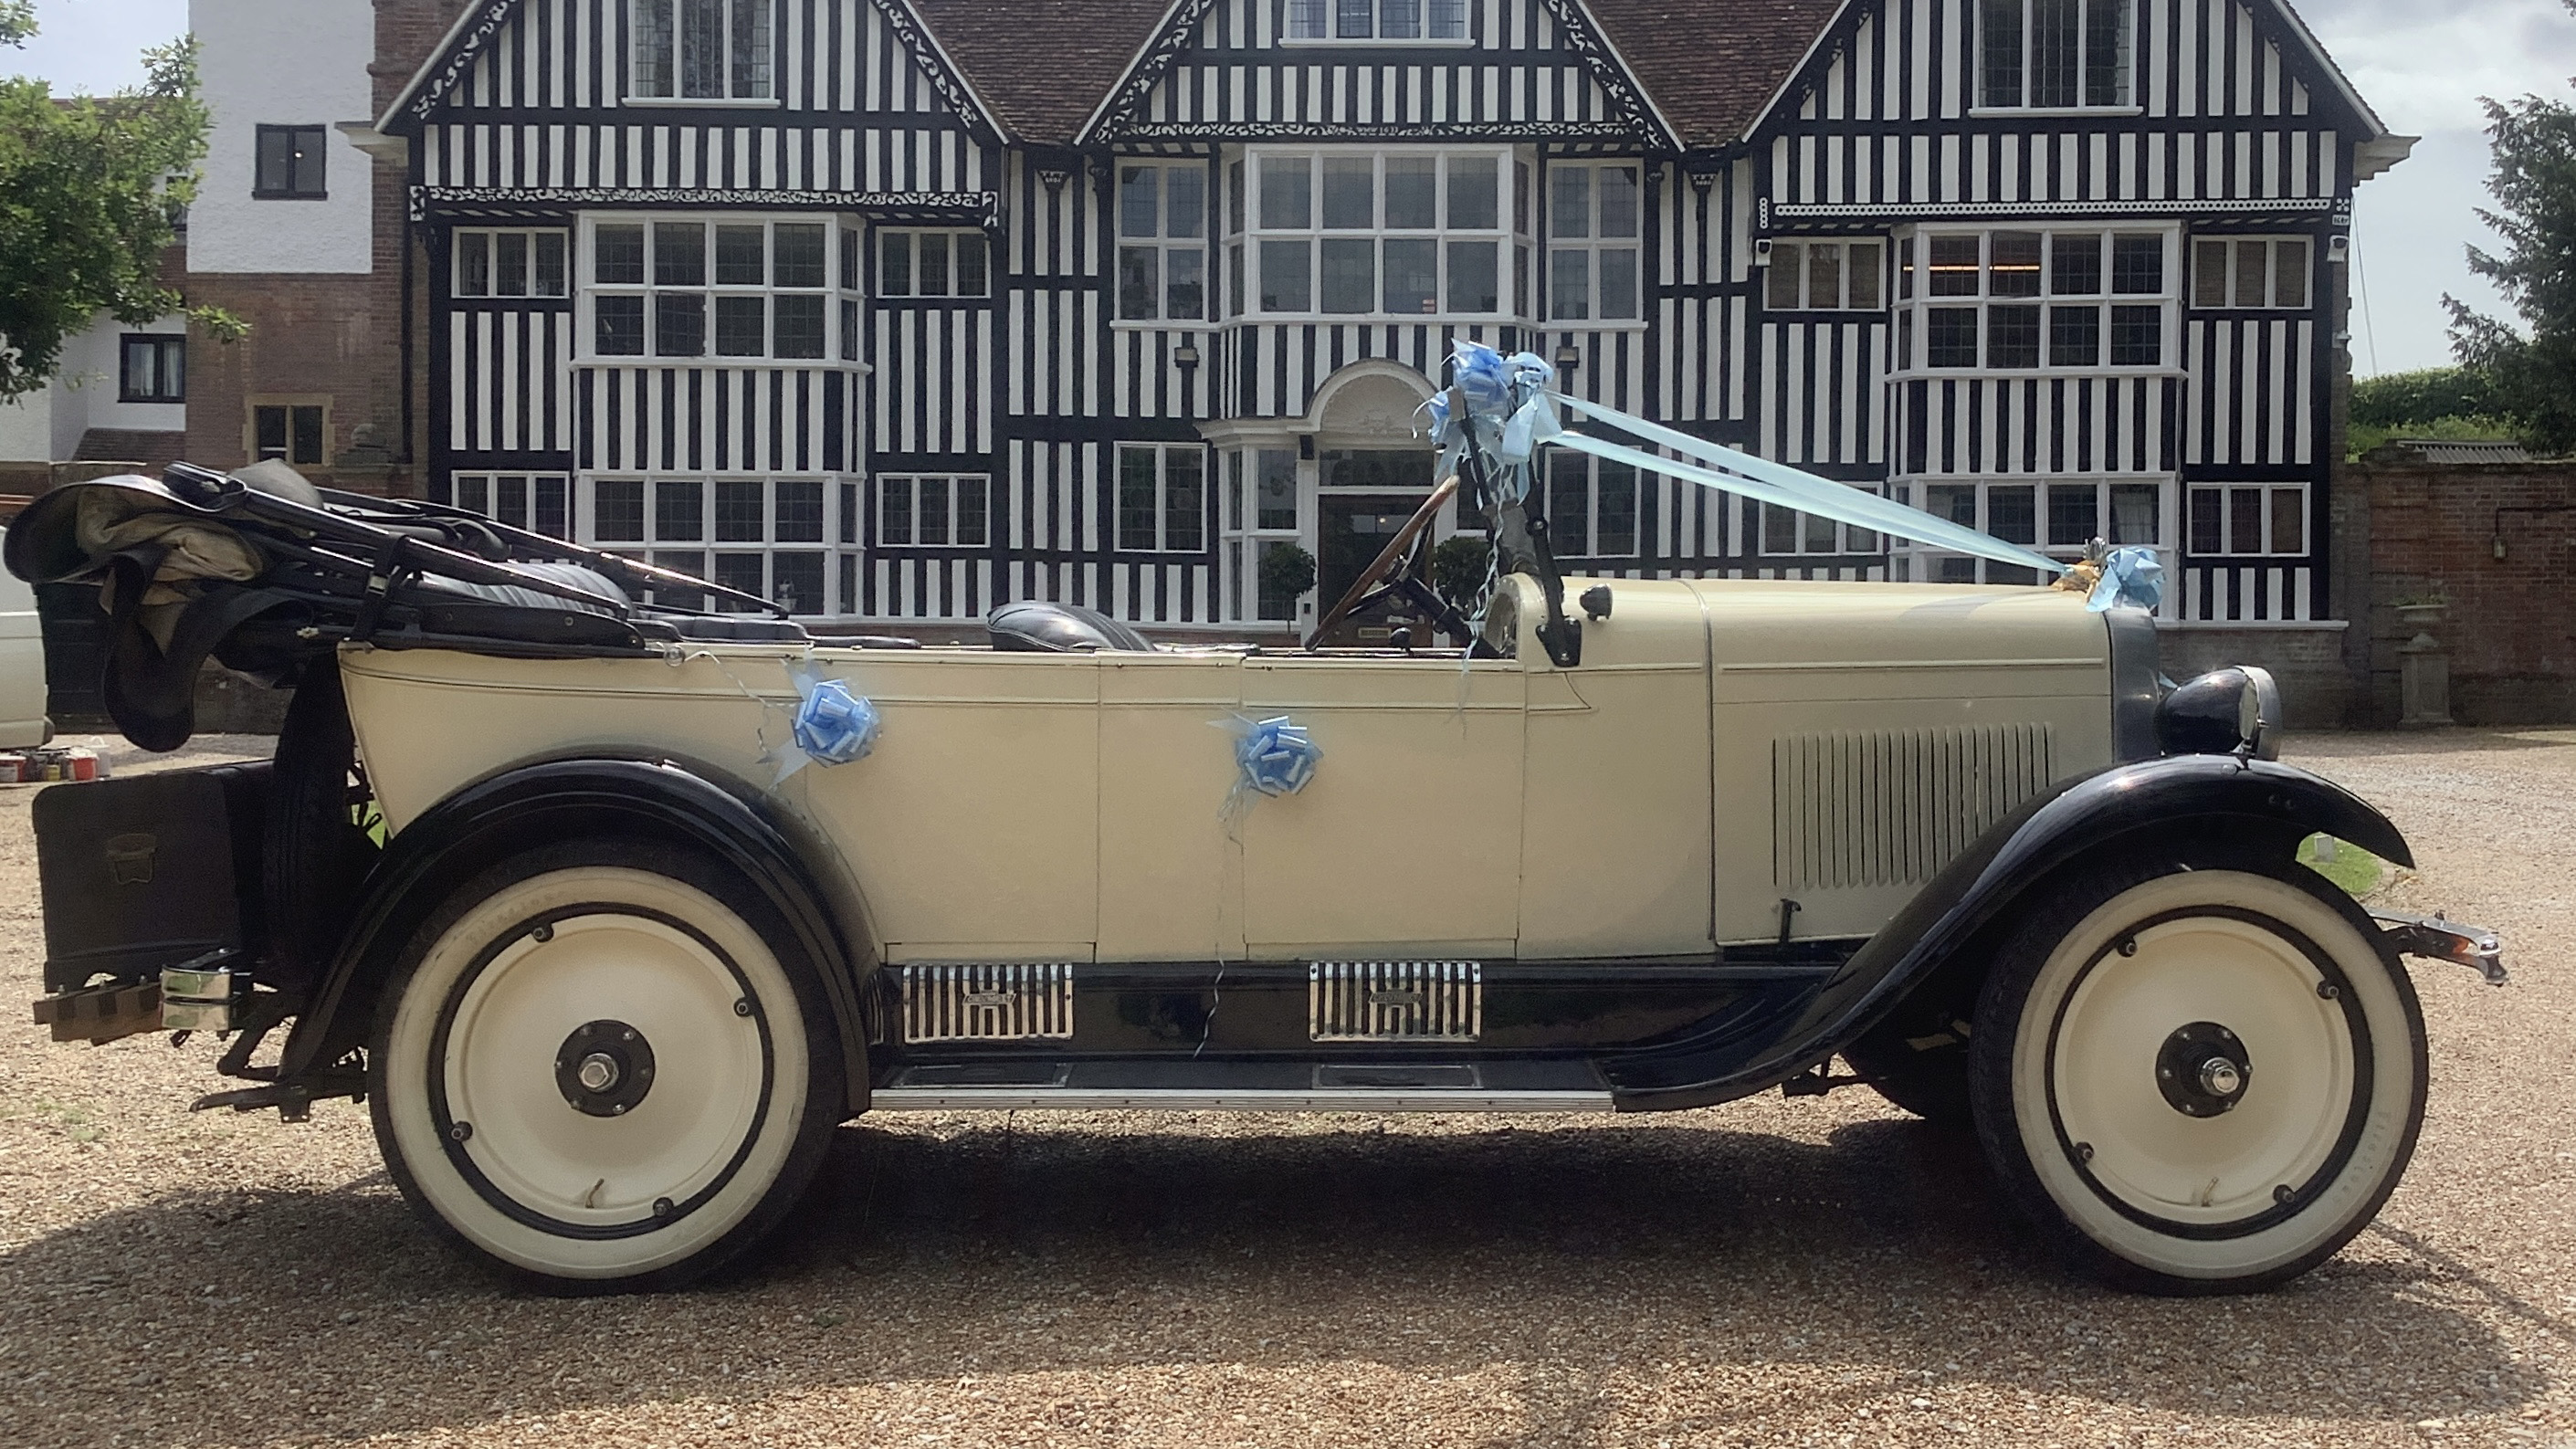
(315, 853)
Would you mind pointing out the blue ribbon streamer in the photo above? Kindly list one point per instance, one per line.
(1271, 757)
(1769, 482)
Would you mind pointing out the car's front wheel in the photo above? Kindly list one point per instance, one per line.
(2198, 1081)
(598, 1067)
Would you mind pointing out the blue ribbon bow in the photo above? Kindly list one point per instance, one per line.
(832, 725)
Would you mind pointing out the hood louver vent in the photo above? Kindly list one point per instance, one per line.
(1891, 807)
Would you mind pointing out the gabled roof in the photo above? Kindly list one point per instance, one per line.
(1043, 64)
(1713, 66)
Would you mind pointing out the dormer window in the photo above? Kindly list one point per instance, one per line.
(1377, 20)
(2054, 55)
(701, 50)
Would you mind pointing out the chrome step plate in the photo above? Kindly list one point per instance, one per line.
(988, 1001)
(1395, 1000)
(1243, 1087)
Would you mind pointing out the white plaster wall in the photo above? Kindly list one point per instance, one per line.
(282, 63)
(27, 428)
(83, 392)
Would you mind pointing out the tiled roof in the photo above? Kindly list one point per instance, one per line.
(1711, 65)
(1708, 65)
(1043, 64)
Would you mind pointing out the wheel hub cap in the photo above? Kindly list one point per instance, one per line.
(604, 1069)
(2203, 1070)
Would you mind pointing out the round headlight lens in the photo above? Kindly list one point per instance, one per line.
(2224, 712)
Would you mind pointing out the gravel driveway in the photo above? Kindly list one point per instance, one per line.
(1771, 1272)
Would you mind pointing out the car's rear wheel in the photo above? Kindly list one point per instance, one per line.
(600, 1067)
(2198, 1081)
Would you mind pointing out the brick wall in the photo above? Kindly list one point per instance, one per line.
(340, 337)
(2511, 631)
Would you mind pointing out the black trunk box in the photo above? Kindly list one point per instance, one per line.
(148, 871)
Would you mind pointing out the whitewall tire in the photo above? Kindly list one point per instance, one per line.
(2198, 1081)
(597, 1068)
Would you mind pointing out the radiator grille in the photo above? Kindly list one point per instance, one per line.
(1891, 807)
(988, 1001)
(1395, 1000)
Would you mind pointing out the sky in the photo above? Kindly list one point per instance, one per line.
(2423, 64)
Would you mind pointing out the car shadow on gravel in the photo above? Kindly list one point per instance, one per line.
(1596, 1249)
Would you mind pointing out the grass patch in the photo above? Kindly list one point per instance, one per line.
(2355, 870)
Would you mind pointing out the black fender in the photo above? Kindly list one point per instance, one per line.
(2213, 810)
(538, 804)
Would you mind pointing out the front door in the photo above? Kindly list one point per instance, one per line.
(1366, 494)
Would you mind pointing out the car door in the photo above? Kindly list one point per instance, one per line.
(1407, 841)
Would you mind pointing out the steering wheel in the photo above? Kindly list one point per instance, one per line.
(1385, 564)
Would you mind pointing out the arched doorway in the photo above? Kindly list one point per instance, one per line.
(1371, 474)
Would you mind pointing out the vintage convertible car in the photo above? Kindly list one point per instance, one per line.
(610, 931)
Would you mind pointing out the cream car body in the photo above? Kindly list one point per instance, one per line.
(538, 873)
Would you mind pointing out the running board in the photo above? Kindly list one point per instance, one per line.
(1190, 1086)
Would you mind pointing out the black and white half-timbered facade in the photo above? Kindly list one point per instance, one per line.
(900, 309)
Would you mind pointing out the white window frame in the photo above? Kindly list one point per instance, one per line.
(1330, 22)
(915, 524)
(1593, 244)
(1162, 541)
(1914, 303)
(490, 241)
(1560, 465)
(491, 492)
(2127, 104)
(1247, 234)
(840, 319)
(2230, 275)
(736, 91)
(909, 238)
(1925, 563)
(1836, 540)
(1790, 260)
(2265, 544)
(1169, 236)
(1245, 533)
(655, 547)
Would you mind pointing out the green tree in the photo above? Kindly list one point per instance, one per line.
(2530, 369)
(91, 190)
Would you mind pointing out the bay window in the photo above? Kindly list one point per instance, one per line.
(1593, 226)
(749, 290)
(700, 50)
(2031, 299)
(2057, 517)
(1162, 241)
(1365, 233)
(762, 536)
(2054, 54)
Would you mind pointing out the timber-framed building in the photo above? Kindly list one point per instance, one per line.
(900, 309)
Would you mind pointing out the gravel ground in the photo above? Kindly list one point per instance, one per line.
(1770, 1272)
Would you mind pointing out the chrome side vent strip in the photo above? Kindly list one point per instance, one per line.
(1395, 1000)
(988, 1001)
